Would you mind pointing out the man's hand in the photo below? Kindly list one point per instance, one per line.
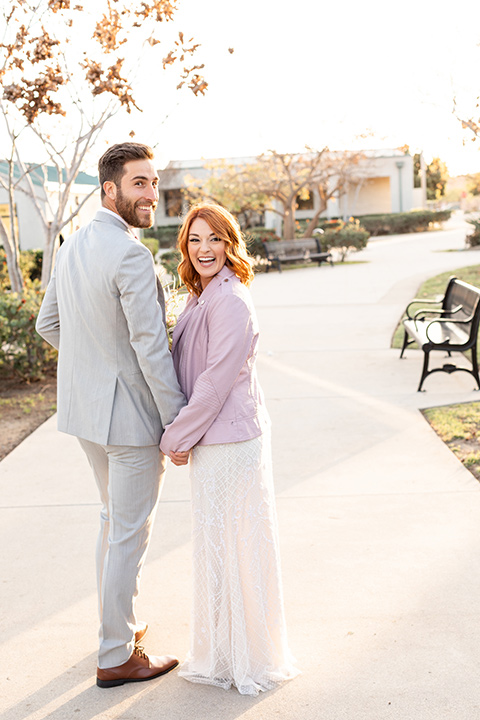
(180, 458)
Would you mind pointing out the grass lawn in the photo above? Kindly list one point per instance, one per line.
(459, 428)
(457, 425)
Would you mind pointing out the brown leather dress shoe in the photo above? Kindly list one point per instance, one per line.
(141, 632)
(138, 668)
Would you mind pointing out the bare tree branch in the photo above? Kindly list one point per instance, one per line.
(42, 77)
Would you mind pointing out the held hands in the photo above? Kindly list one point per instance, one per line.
(179, 458)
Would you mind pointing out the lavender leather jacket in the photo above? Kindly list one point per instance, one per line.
(214, 353)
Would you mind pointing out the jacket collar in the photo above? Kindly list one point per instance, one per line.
(224, 274)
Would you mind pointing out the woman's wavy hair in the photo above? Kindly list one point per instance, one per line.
(226, 228)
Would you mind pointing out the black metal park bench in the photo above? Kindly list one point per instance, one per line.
(291, 251)
(451, 328)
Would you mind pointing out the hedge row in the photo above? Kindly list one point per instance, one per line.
(399, 223)
(386, 224)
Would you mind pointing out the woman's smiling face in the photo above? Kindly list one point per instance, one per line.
(205, 250)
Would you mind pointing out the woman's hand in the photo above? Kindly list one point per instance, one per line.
(180, 458)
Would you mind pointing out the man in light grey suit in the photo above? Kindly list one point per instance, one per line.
(117, 389)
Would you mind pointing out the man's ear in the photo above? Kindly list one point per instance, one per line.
(110, 189)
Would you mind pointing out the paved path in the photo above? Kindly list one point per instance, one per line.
(380, 526)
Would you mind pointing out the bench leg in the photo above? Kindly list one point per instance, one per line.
(475, 365)
(424, 369)
(405, 342)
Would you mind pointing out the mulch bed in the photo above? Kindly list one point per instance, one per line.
(23, 407)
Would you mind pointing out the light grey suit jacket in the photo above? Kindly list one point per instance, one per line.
(116, 380)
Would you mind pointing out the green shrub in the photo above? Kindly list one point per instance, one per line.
(345, 237)
(4, 279)
(255, 237)
(151, 243)
(331, 224)
(30, 262)
(170, 261)
(166, 235)
(23, 353)
(323, 223)
(473, 240)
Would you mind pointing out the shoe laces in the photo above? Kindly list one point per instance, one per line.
(138, 650)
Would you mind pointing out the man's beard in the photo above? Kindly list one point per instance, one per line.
(127, 210)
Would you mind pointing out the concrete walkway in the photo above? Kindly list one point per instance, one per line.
(379, 524)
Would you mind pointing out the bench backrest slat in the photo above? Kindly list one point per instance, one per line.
(284, 248)
(464, 295)
(277, 246)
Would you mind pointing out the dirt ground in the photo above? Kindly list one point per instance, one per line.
(23, 407)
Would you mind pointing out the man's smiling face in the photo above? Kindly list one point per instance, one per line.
(136, 197)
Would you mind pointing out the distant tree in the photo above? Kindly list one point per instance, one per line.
(334, 175)
(228, 185)
(277, 181)
(437, 176)
(8, 234)
(64, 76)
(473, 184)
(417, 170)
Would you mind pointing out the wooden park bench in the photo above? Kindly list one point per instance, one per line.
(451, 328)
(291, 251)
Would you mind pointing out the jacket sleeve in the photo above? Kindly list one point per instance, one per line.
(48, 320)
(137, 286)
(230, 336)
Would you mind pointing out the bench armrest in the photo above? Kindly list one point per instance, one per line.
(426, 311)
(415, 301)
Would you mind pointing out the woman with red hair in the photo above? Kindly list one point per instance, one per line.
(238, 634)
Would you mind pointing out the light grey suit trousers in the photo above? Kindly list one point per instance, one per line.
(117, 389)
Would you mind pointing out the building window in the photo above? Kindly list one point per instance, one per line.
(173, 203)
(305, 203)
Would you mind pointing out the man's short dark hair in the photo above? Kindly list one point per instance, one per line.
(112, 163)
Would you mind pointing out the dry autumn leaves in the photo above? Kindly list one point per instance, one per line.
(35, 66)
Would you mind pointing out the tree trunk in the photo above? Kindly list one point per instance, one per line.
(48, 257)
(10, 239)
(289, 219)
(11, 251)
(313, 222)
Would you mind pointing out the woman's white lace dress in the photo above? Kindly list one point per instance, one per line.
(238, 633)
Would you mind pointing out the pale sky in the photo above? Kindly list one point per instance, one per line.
(312, 73)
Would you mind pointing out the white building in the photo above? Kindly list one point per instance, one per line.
(385, 186)
(30, 228)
